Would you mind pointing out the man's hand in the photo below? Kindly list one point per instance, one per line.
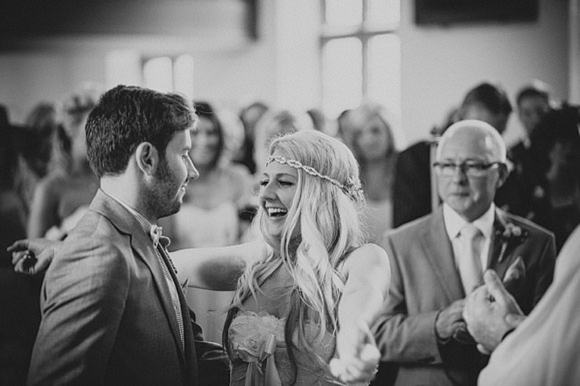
(450, 320)
(491, 312)
(358, 355)
(33, 256)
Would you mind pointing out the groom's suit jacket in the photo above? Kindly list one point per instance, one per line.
(425, 280)
(107, 315)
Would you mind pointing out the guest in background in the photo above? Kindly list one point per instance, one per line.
(209, 214)
(19, 295)
(35, 149)
(413, 194)
(63, 196)
(370, 137)
(555, 172)
(435, 263)
(250, 115)
(533, 103)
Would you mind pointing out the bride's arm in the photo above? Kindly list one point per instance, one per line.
(368, 277)
(216, 268)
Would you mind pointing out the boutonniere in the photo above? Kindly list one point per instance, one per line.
(511, 234)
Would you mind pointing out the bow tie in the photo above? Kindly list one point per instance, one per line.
(156, 235)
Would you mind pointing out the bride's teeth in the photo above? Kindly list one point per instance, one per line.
(276, 211)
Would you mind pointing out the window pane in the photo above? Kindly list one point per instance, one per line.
(384, 73)
(183, 73)
(343, 12)
(158, 74)
(341, 74)
(384, 11)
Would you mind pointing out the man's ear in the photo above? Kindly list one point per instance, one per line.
(147, 158)
(503, 174)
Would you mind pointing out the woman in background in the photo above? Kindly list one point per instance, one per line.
(62, 197)
(370, 137)
(209, 214)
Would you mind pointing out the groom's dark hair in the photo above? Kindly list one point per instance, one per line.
(126, 116)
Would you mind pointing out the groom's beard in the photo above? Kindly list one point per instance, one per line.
(165, 196)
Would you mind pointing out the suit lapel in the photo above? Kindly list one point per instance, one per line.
(439, 252)
(141, 243)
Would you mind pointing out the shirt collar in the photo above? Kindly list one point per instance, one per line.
(454, 222)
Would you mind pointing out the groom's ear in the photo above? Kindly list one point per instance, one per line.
(147, 158)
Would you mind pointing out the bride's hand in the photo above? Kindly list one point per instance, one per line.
(358, 356)
(32, 256)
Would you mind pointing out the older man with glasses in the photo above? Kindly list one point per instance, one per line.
(439, 259)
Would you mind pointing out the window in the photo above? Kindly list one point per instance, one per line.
(164, 73)
(361, 54)
(169, 74)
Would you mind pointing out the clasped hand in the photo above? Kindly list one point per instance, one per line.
(358, 357)
(491, 312)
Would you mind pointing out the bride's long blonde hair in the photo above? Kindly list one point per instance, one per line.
(328, 214)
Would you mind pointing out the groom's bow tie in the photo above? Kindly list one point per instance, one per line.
(156, 235)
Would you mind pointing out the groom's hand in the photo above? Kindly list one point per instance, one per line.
(33, 256)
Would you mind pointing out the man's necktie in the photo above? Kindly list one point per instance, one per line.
(160, 243)
(470, 268)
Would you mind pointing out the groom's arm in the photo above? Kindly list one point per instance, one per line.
(84, 293)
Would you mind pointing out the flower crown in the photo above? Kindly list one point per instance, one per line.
(352, 188)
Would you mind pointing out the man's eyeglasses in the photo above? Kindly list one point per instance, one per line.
(471, 169)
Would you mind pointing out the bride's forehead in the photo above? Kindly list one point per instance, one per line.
(276, 168)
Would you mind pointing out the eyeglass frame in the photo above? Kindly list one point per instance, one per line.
(470, 169)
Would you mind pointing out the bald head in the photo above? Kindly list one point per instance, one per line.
(471, 132)
(470, 167)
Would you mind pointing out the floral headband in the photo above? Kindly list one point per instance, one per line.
(352, 188)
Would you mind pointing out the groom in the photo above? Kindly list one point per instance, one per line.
(113, 311)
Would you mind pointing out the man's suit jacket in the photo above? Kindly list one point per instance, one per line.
(425, 280)
(107, 315)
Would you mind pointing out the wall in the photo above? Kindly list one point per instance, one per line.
(440, 63)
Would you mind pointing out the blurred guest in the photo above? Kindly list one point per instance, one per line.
(34, 155)
(273, 124)
(414, 195)
(533, 103)
(438, 259)
(555, 192)
(19, 295)
(250, 115)
(370, 137)
(63, 196)
(319, 121)
(209, 214)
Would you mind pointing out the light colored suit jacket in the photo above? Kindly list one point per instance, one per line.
(425, 280)
(107, 316)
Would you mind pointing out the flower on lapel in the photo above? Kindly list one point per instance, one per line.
(511, 234)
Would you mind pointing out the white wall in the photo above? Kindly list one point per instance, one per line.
(282, 67)
(439, 64)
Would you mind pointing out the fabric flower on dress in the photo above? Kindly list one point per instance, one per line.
(254, 338)
(249, 333)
